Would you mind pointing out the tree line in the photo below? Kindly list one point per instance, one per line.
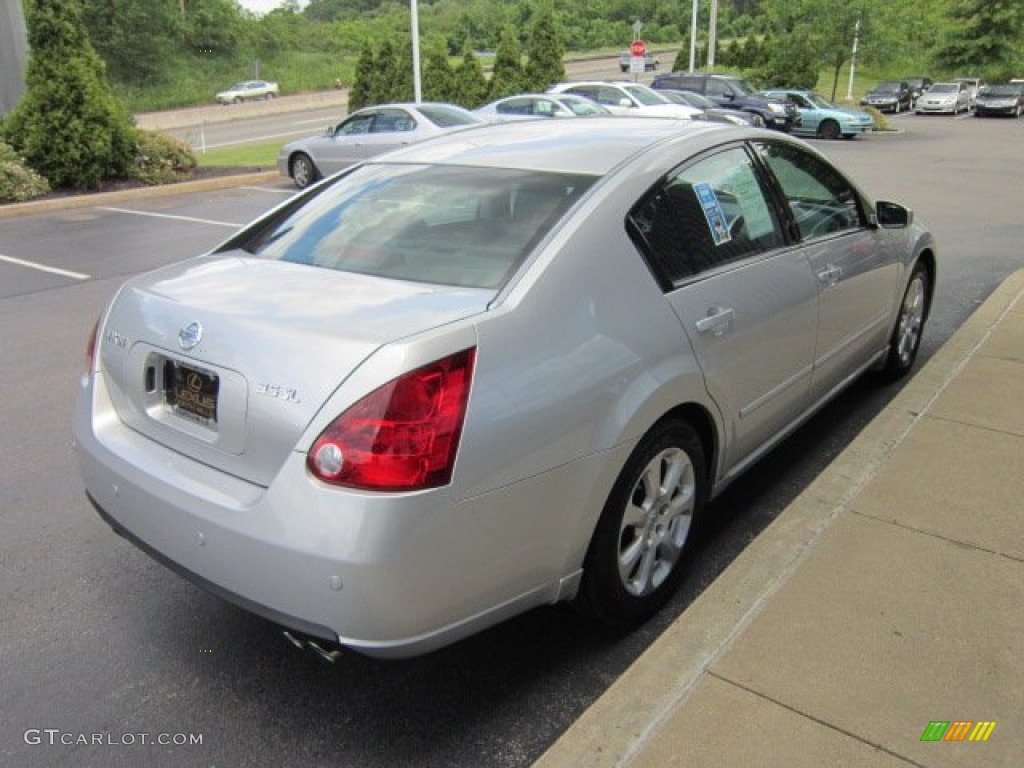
(162, 46)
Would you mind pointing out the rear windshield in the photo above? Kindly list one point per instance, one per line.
(448, 225)
(448, 117)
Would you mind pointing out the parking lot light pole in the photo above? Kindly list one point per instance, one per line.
(417, 87)
(853, 59)
(693, 38)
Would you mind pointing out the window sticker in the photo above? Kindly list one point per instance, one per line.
(758, 220)
(713, 212)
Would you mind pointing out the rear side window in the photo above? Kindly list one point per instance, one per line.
(707, 215)
(821, 200)
(432, 224)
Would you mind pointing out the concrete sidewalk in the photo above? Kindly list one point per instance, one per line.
(889, 595)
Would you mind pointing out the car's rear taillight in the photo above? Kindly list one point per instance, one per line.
(402, 436)
(90, 349)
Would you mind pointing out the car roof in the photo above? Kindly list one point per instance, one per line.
(591, 147)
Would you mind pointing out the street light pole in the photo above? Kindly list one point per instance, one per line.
(693, 38)
(712, 35)
(853, 59)
(417, 87)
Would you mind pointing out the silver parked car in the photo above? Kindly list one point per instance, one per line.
(627, 98)
(529, 105)
(499, 369)
(368, 132)
(950, 98)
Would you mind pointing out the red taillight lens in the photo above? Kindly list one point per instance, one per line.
(402, 436)
(90, 349)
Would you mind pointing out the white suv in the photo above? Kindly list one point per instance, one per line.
(627, 98)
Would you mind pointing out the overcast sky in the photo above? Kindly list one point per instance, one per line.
(261, 6)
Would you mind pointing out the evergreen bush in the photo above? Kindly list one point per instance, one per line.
(68, 125)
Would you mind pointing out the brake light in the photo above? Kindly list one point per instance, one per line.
(402, 436)
(90, 349)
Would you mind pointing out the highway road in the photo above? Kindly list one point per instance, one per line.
(105, 650)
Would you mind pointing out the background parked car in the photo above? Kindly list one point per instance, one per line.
(526, 105)
(497, 370)
(918, 85)
(1000, 99)
(974, 84)
(626, 60)
(626, 98)
(368, 132)
(948, 98)
(733, 93)
(248, 90)
(820, 117)
(711, 110)
(889, 96)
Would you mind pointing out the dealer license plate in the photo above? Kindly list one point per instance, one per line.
(191, 393)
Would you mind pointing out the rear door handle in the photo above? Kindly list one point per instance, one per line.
(717, 321)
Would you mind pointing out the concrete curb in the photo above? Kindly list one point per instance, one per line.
(106, 198)
(616, 728)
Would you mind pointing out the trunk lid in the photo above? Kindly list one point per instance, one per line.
(226, 359)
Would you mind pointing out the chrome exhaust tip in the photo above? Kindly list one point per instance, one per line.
(303, 644)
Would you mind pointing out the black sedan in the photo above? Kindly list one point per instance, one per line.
(1000, 99)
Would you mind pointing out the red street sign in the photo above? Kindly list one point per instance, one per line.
(638, 48)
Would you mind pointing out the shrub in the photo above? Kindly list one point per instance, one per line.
(18, 182)
(68, 125)
(161, 159)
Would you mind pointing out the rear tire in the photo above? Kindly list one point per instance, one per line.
(906, 335)
(635, 559)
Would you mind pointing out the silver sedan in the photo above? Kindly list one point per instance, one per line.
(368, 132)
(529, 105)
(500, 369)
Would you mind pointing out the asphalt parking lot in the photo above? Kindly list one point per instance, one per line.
(98, 639)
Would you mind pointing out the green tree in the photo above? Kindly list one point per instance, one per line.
(470, 84)
(507, 76)
(361, 93)
(135, 37)
(383, 85)
(68, 125)
(983, 36)
(438, 77)
(545, 52)
(402, 87)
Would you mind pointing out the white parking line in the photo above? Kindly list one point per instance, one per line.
(171, 216)
(44, 268)
(273, 190)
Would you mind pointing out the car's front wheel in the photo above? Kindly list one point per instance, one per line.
(635, 557)
(828, 129)
(906, 335)
(304, 171)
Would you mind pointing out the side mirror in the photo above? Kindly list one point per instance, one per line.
(892, 215)
(624, 102)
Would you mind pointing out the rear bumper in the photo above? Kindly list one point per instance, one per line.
(389, 575)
